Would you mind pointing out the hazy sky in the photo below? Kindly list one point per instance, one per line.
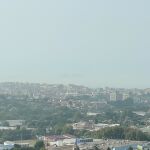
(91, 42)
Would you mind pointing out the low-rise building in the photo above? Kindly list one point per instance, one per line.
(83, 125)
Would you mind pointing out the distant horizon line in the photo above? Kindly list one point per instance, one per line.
(48, 83)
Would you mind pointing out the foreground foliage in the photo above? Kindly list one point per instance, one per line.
(39, 145)
(120, 133)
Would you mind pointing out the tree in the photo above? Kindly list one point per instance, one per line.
(76, 147)
(95, 148)
(39, 145)
(96, 121)
(68, 129)
(5, 123)
(130, 148)
(108, 148)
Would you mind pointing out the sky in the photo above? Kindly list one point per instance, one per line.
(96, 43)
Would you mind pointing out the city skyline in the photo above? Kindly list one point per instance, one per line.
(95, 44)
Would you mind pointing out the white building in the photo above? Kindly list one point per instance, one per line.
(113, 96)
(125, 96)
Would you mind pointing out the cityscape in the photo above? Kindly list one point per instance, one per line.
(74, 75)
(71, 116)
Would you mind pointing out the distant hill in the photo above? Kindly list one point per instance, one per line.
(38, 90)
